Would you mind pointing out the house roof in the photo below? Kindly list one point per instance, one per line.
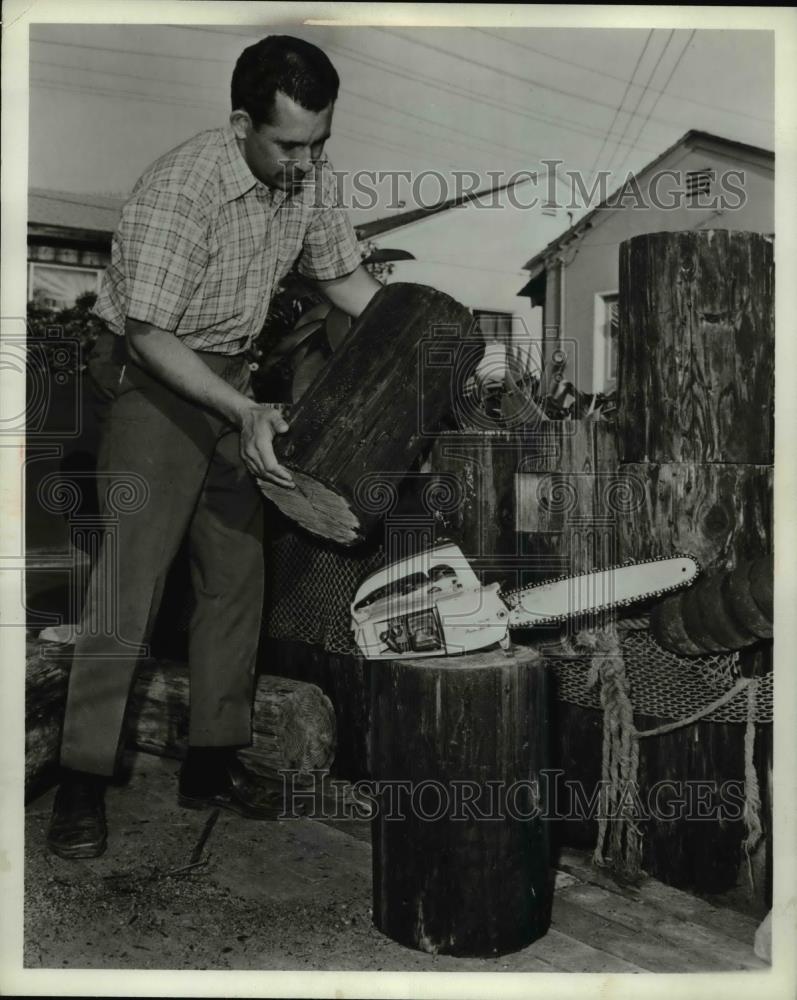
(100, 213)
(693, 136)
(67, 210)
(377, 227)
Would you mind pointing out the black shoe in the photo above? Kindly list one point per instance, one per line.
(226, 784)
(77, 826)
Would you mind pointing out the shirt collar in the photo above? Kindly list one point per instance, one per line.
(237, 178)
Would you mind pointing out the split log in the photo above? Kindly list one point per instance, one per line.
(456, 877)
(364, 419)
(293, 723)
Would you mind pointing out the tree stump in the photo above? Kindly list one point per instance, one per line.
(293, 724)
(461, 859)
(364, 419)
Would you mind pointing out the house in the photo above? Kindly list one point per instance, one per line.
(702, 181)
(69, 244)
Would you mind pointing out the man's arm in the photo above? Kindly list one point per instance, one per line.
(164, 356)
(351, 293)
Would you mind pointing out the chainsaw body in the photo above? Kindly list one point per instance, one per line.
(433, 604)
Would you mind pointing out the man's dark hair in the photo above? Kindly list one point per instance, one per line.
(297, 68)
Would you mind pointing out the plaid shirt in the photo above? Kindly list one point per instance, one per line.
(202, 245)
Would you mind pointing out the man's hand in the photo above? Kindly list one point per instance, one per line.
(259, 424)
(164, 356)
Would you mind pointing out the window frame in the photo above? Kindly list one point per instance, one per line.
(98, 272)
(603, 349)
(510, 316)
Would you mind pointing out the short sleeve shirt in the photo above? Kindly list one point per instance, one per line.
(202, 244)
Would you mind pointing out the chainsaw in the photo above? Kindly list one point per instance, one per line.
(433, 604)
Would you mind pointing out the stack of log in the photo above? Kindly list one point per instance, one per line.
(293, 723)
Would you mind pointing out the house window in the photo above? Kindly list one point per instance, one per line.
(57, 286)
(494, 325)
(699, 182)
(604, 370)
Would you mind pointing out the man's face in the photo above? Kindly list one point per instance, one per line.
(281, 154)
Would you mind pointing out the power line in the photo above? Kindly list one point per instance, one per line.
(661, 93)
(385, 66)
(148, 98)
(185, 83)
(134, 52)
(123, 94)
(622, 101)
(508, 73)
(641, 96)
(614, 76)
(127, 76)
(564, 124)
(448, 128)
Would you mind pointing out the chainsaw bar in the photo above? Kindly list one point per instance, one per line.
(597, 592)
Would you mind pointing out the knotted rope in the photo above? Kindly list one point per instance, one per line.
(620, 762)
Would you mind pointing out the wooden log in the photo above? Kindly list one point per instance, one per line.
(477, 884)
(567, 488)
(293, 722)
(483, 520)
(696, 381)
(678, 771)
(369, 411)
(344, 679)
(721, 514)
(696, 348)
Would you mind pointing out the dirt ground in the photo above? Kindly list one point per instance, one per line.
(290, 894)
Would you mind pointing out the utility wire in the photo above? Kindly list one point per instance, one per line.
(614, 76)
(385, 66)
(507, 107)
(500, 147)
(508, 73)
(619, 106)
(660, 95)
(633, 113)
(368, 140)
(564, 124)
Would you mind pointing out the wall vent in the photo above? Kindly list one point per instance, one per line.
(699, 181)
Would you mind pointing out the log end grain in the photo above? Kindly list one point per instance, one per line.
(317, 507)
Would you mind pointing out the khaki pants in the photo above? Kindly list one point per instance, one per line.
(167, 467)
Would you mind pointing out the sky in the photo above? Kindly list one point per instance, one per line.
(105, 100)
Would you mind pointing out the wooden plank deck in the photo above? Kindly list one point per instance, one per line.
(296, 894)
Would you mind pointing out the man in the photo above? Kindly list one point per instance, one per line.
(210, 229)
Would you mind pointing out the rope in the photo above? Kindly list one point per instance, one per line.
(739, 686)
(752, 795)
(620, 764)
(620, 753)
